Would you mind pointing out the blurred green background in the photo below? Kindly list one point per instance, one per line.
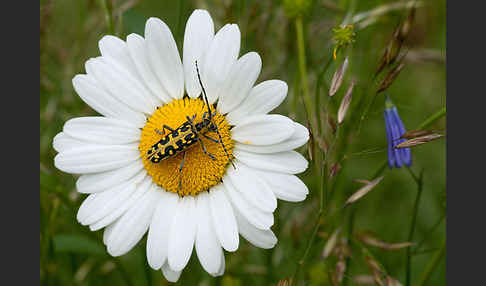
(69, 33)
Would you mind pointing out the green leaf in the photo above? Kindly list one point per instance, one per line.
(77, 244)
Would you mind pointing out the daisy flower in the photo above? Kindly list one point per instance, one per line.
(191, 196)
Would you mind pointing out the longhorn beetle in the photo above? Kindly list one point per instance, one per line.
(186, 136)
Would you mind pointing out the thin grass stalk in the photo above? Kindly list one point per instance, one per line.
(350, 234)
(419, 181)
(366, 252)
(433, 118)
(316, 225)
(326, 162)
(375, 175)
(299, 29)
(432, 229)
(320, 81)
(322, 195)
(429, 268)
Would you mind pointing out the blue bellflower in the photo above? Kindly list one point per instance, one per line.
(394, 130)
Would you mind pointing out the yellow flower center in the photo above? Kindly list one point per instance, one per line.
(195, 171)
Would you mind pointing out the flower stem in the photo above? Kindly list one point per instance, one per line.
(419, 181)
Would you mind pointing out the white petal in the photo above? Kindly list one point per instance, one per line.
(208, 248)
(122, 207)
(220, 57)
(121, 84)
(158, 235)
(92, 183)
(252, 188)
(103, 130)
(95, 159)
(99, 205)
(138, 51)
(221, 267)
(107, 233)
(197, 37)
(182, 234)
(116, 49)
(285, 186)
(223, 218)
(262, 99)
(298, 138)
(169, 274)
(239, 82)
(62, 142)
(258, 237)
(164, 57)
(104, 103)
(263, 129)
(258, 218)
(130, 228)
(289, 162)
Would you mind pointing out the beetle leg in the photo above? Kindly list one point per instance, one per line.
(204, 149)
(163, 129)
(211, 139)
(180, 169)
(224, 148)
(191, 119)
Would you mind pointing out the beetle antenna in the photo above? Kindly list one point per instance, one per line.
(204, 91)
(224, 148)
(211, 115)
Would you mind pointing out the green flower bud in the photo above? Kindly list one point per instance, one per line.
(296, 8)
(343, 36)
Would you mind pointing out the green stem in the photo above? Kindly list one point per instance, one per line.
(270, 252)
(299, 29)
(179, 35)
(123, 271)
(429, 268)
(309, 244)
(295, 95)
(320, 80)
(148, 271)
(419, 181)
(108, 9)
(350, 235)
(432, 229)
(366, 252)
(436, 116)
(322, 195)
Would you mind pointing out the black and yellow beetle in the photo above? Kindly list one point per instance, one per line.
(186, 136)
